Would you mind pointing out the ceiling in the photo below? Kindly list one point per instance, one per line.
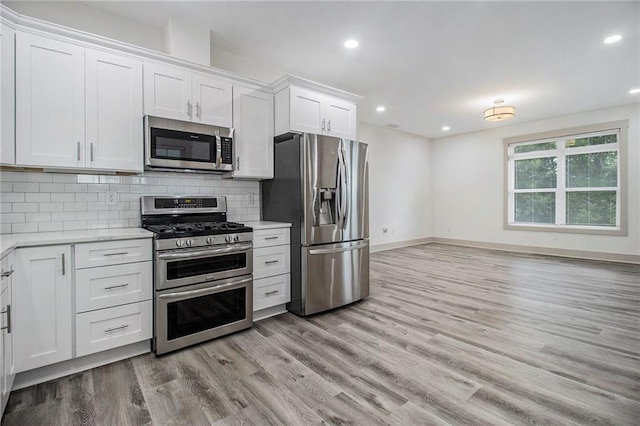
(433, 64)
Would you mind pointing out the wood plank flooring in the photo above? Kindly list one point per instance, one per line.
(449, 335)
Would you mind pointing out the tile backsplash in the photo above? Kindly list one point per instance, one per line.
(41, 202)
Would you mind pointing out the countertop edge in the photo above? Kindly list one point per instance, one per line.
(266, 224)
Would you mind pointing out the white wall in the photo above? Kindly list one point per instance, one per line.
(399, 184)
(468, 194)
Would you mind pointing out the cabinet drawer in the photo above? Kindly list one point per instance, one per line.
(108, 286)
(270, 237)
(271, 291)
(112, 327)
(106, 253)
(268, 261)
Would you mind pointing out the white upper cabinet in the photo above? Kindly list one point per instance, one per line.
(113, 112)
(7, 96)
(305, 109)
(253, 137)
(77, 107)
(177, 93)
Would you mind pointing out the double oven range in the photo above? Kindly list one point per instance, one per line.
(203, 268)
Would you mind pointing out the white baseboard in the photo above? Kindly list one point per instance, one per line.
(579, 254)
(76, 365)
(269, 312)
(399, 244)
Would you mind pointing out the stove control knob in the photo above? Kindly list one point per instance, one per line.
(210, 240)
(228, 238)
(190, 242)
(236, 238)
(180, 243)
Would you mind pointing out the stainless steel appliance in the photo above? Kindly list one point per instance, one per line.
(203, 268)
(173, 144)
(321, 186)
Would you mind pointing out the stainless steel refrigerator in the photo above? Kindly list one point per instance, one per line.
(321, 186)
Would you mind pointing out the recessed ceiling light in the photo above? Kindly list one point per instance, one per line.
(613, 39)
(634, 91)
(445, 128)
(351, 44)
(380, 108)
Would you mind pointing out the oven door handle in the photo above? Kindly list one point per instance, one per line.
(208, 252)
(202, 291)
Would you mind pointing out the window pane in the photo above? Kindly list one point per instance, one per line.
(536, 173)
(535, 207)
(543, 146)
(593, 140)
(591, 208)
(596, 169)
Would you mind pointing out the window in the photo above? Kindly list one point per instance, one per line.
(569, 181)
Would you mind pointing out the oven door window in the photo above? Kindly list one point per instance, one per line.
(191, 316)
(205, 265)
(173, 145)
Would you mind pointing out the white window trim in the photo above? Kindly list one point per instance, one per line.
(621, 200)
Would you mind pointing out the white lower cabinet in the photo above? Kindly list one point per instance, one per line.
(43, 306)
(271, 268)
(108, 328)
(7, 349)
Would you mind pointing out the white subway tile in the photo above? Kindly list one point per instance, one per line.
(25, 207)
(97, 224)
(108, 215)
(139, 189)
(62, 216)
(52, 187)
(13, 176)
(50, 226)
(158, 189)
(149, 181)
(88, 196)
(109, 179)
(61, 197)
(5, 228)
(135, 223)
(64, 178)
(26, 187)
(127, 196)
(38, 217)
(39, 177)
(75, 207)
(36, 197)
(51, 207)
(88, 179)
(6, 207)
(118, 223)
(127, 180)
(94, 206)
(17, 228)
(75, 225)
(12, 217)
(129, 214)
(118, 188)
(97, 187)
(75, 187)
(87, 215)
(6, 186)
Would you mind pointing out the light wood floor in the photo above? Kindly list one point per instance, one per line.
(449, 335)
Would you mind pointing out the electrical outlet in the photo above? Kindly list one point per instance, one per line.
(251, 199)
(111, 198)
(385, 230)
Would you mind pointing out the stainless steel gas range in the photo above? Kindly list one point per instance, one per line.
(203, 268)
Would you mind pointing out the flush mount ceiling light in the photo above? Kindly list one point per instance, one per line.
(351, 44)
(380, 108)
(445, 128)
(613, 39)
(634, 91)
(498, 112)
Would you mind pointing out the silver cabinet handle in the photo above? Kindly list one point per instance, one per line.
(329, 126)
(338, 250)
(116, 286)
(8, 326)
(189, 108)
(91, 151)
(78, 150)
(63, 265)
(271, 238)
(198, 109)
(271, 262)
(5, 274)
(238, 163)
(120, 253)
(272, 292)
(323, 120)
(109, 330)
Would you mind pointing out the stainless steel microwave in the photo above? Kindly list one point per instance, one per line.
(174, 144)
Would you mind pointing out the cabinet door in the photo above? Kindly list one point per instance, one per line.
(113, 112)
(341, 118)
(212, 101)
(253, 137)
(8, 358)
(167, 91)
(307, 111)
(43, 309)
(7, 96)
(49, 102)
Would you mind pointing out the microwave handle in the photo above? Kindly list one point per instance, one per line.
(218, 149)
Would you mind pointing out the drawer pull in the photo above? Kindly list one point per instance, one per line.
(271, 238)
(120, 253)
(272, 292)
(6, 273)
(271, 262)
(116, 286)
(8, 326)
(109, 330)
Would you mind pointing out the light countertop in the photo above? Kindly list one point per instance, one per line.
(9, 242)
(265, 224)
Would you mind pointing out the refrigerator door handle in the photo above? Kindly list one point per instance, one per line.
(339, 250)
(343, 183)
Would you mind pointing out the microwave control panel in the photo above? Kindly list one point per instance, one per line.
(226, 150)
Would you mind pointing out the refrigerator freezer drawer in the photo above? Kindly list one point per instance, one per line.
(334, 275)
